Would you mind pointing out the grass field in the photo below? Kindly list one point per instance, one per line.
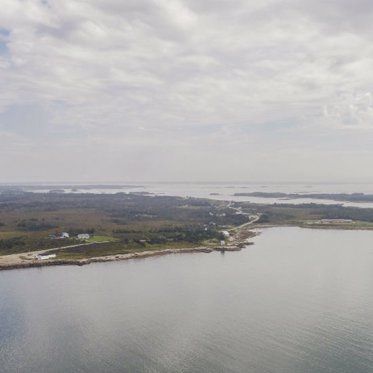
(98, 238)
(114, 248)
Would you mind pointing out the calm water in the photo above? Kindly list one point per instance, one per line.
(227, 191)
(297, 301)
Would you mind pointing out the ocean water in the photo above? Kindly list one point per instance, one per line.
(297, 301)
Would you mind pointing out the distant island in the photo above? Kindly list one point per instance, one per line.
(342, 197)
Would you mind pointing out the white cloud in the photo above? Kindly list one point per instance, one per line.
(203, 78)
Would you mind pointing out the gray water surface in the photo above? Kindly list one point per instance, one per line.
(297, 301)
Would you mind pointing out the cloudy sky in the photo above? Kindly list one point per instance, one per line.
(174, 90)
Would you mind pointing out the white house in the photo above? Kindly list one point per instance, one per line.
(225, 233)
(84, 236)
(65, 235)
(44, 257)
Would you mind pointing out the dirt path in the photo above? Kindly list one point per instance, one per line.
(31, 256)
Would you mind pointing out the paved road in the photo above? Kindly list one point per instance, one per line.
(239, 210)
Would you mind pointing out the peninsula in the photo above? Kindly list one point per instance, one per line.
(43, 229)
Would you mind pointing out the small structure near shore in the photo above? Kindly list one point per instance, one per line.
(58, 236)
(45, 256)
(225, 234)
(83, 236)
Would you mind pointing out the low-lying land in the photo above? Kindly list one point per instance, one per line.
(55, 228)
(342, 197)
(111, 225)
(315, 216)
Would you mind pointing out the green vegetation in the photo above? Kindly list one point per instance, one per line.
(128, 221)
(97, 238)
(113, 248)
(124, 223)
(24, 243)
(310, 215)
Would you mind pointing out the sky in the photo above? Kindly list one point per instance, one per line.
(186, 90)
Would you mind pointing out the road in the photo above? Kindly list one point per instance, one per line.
(32, 255)
(239, 211)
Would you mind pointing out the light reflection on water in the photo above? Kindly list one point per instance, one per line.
(297, 301)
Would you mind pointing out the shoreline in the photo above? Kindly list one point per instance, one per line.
(240, 241)
(236, 242)
(19, 263)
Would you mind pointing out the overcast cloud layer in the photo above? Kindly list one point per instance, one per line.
(122, 90)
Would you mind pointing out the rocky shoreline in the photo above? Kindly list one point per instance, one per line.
(19, 262)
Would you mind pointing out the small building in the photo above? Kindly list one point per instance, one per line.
(65, 235)
(222, 243)
(335, 221)
(46, 256)
(225, 234)
(83, 236)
